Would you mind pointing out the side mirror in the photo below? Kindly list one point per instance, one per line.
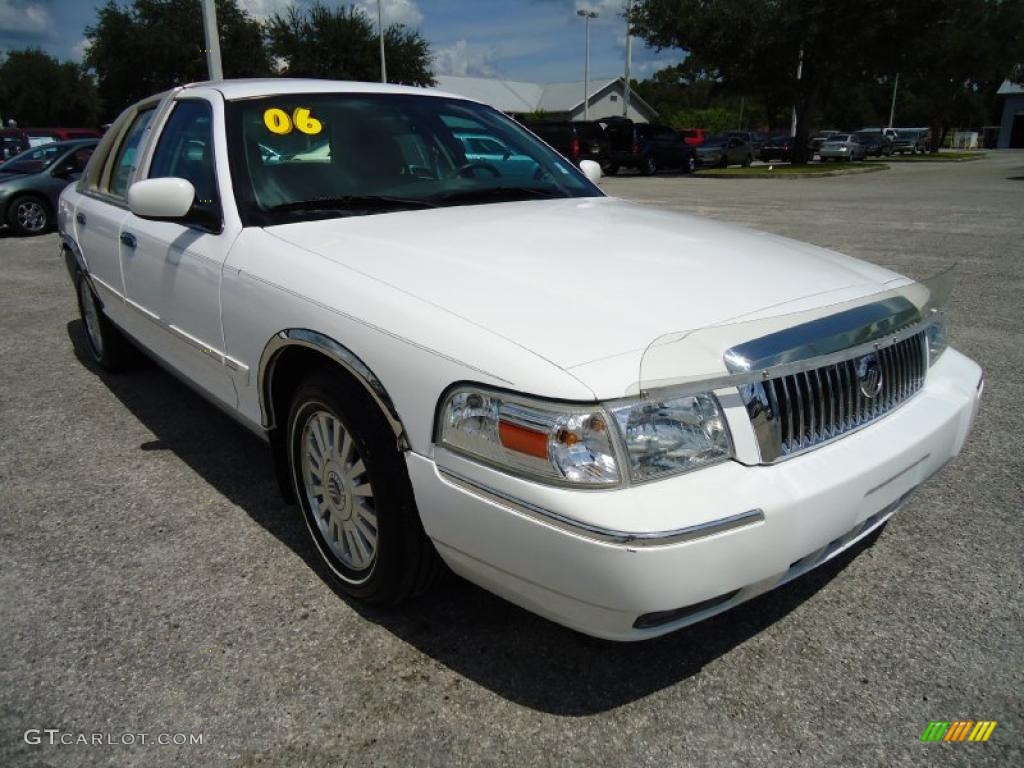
(65, 169)
(591, 170)
(167, 198)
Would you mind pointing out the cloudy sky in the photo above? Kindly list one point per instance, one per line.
(519, 39)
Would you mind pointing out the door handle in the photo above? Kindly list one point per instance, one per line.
(80, 218)
(128, 239)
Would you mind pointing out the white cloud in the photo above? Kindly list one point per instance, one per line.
(261, 9)
(24, 16)
(461, 58)
(394, 11)
(79, 49)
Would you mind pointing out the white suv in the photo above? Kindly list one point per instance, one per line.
(621, 418)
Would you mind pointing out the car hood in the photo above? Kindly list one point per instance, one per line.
(582, 279)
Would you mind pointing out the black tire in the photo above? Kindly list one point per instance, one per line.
(747, 161)
(612, 169)
(107, 346)
(724, 162)
(690, 165)
(404, 561)
(29, 215)
(648, 166)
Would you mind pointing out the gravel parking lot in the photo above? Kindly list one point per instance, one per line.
(151, 580)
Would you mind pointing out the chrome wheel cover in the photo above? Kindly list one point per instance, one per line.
(31, 216)
(338, 492)
(91, 315)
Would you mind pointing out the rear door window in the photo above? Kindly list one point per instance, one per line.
(126, 159)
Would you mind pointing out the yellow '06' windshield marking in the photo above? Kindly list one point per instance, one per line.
(279, 122)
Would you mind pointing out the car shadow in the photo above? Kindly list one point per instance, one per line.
(511, 652)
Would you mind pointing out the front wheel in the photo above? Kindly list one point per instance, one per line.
(612, 169)
(649, 166)
(690, 165)
(355, 494)
(747, 161)
(29, 215)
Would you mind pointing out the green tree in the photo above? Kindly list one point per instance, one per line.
(148, 46)
(754, 46)
(38, 90)
(342, 44)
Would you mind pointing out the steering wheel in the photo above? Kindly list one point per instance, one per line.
(477, 164)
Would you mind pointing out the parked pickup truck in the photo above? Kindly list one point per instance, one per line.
(610, 414)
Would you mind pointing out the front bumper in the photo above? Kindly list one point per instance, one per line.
(547, 548)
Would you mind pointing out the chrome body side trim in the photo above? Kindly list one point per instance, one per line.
(198, 344)
(601, 534)
(303, 337)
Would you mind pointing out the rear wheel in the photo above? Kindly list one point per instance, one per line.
(690, 165)
(649, 166)
(747, 161)
(29, 215)
(612, 169)
(108, 347)
(724, 162)
(354, 492)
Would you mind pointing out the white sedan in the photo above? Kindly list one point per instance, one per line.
(623, 419)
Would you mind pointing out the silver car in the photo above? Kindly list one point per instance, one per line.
(843, 147)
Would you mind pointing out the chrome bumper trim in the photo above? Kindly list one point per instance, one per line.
(598, 533)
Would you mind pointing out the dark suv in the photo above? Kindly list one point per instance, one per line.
(576, 140)
(648, 147)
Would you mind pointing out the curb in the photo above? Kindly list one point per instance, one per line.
(808, 175)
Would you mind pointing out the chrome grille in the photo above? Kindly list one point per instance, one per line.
(800, 410)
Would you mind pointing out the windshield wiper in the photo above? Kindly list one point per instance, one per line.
(493, 194)
(353, 202)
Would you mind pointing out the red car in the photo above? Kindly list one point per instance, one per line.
(693, 136)
(39, 136)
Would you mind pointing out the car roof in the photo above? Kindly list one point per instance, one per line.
(252, 88)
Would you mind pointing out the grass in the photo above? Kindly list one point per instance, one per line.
(943, 157)
(793, 171)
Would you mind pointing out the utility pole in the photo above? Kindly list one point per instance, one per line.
(799, 74)
(212, 41)
(629, 60)
(892, 108)
(380, 28)
(587, 16)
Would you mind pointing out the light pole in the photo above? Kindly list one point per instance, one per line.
(587, 16)
(892, 107)
(629, 60)
(212, 41)
(380, 27)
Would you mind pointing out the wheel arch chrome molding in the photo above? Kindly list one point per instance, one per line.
(631, 539)
(337, 353)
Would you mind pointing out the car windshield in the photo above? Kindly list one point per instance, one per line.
(867, 136)
(841, 137)
(907, 134)
(34, 160)
(715, 141)
(302, 156)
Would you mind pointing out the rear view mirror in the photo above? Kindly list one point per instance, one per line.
(65, 169)
(167, 198)
(591, 170)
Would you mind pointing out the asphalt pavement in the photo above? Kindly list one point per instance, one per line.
(153, 582)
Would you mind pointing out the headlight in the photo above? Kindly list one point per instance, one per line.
(672, 436)
(938, 338)
(546, 441)
(576, 444)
